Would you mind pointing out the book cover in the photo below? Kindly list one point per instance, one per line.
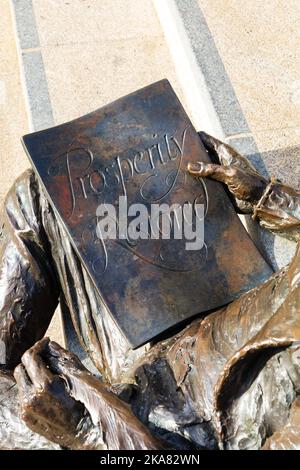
(135, 151)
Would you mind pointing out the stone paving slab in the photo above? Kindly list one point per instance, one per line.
(210, 61)
(90, 79)
(259, 43)
(94, 21)
(93, 52)
(13, 117)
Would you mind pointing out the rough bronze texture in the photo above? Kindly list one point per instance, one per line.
(139, 147)
(228, 380)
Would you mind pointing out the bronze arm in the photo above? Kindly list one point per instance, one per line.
(275, 205)
(64, 402)
(28, 287)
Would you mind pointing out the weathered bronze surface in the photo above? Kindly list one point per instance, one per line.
(230, 380)
(139, 147)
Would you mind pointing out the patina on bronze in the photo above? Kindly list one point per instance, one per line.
(139, 147)
(230, 380)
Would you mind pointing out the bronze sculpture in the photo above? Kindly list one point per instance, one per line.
(230, 380)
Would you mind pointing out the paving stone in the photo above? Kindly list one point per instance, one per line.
(25, 24)
(37, 91)
(91, 79)
(211, 64)
(259, 43)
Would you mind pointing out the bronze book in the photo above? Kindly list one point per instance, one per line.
(136, 150)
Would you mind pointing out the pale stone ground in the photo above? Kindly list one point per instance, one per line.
(13, 118)
(95, 51)
(259, 43)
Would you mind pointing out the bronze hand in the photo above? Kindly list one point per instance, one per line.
(234, 170)
(64, 402)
